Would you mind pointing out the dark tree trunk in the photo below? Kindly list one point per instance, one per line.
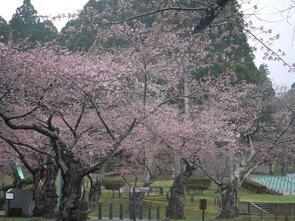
(138, 200)
(72, 207)
(45, 192)
(95, 191)
(176, 200)
(270, 165)
(285, 161)
(229, 200)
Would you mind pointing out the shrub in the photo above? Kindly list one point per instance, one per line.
(25, 182)
(254, 186)
(112, 184)
(198, 184)
(2, 202)
(28, 181)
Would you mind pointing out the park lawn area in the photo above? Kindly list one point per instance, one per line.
(191, 208)
(192, 212)
(24, 219)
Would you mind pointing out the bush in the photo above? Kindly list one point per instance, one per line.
(5, 188)
(2, 202)
(112, 184)
(254, 186)
(28, 181)
(25, 182)
(198, 184)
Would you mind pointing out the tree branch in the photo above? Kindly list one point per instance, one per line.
(20, 155)
(11, 142)
(211, 13)
(109, 155)
(35, 127)
(169, 8)
(103, 121)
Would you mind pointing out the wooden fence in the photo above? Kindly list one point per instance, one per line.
(113, 214)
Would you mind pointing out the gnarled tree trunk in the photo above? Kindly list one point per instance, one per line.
(285, 162)
(45, 193)
(72, 207)
(176, 200)
(229, 200)
(95, 190)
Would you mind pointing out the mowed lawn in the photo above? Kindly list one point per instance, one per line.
(192, 212)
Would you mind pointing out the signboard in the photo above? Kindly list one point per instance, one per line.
(203, 207)
(203, 204)
(20, 172)
(136, 189)
(9, 196)
(126, 190)
(141, 189)
(58, 186)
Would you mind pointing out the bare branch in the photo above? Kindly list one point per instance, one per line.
(25, 114)
(169, 8)
(67, 124)
(4, 95)
(11, 142)
(110, 154)
(35, 127)
(20, 155)
(81, 114)
(103, 121)
(211, 13)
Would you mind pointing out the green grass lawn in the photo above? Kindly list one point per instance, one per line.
(192, 212)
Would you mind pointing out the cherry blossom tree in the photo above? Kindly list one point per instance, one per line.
(248, 147)
(283, 135)
(218, 114)
(63, 108)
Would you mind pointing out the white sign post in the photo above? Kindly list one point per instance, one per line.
(141, 189)
(134, 190)
(9, 196)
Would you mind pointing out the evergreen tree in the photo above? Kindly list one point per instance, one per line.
(79, 34)
(26, 26)
(230, 48)
(4, 30)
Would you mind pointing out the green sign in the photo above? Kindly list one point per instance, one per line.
(58, 185)
(20, 172)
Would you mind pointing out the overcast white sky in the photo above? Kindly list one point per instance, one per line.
(267, 10)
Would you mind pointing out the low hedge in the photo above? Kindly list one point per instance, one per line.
(156, 189)
(254, 186)
(2, 202)
(198, 183)
(25, 182)
(112, 184)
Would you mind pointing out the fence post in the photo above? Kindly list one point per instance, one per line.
(121, 212)
(99, 211)
(140, 212)
(150, 213)
(130, 210)
(249, 212)
(111, 211)
(134, 204)
(165, 212)
(158, 213)
(161, 190)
